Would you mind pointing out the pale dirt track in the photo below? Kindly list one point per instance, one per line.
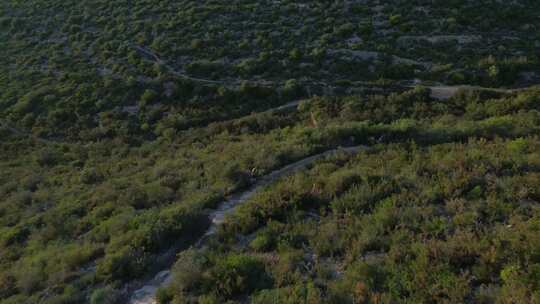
(146, 294)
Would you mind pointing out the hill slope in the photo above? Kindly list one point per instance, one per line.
(126, 125)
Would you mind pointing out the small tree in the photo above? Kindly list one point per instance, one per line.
(90, 176)
(105, 295)
(147, 97)
(295, 54)
(237, 274)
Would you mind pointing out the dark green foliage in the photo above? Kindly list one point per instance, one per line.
(89, 60)
(105, 296)
(90, 176)
(239, 274)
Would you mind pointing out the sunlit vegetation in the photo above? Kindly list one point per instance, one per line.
(448, 213)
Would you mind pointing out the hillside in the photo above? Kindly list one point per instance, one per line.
(269, 152)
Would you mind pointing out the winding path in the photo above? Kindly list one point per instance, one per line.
(439, 91)
(443, 92)
(173, 71)
(147, 293)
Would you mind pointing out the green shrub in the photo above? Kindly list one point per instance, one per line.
(105, 295)
(149, 96)
(126, 263)
(46, 158)
(238, 274)
(188, 271)
(262, 242)
(90, 176)
(163, 296)
(395, 19)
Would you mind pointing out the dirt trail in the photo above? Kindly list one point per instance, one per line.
(443, 92)
(285, 107)
(173, 71)
(438, 91)
(147, 293)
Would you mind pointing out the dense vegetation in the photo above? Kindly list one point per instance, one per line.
(445, 212)
(76, 216)
(124, 123)
(94, 69)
